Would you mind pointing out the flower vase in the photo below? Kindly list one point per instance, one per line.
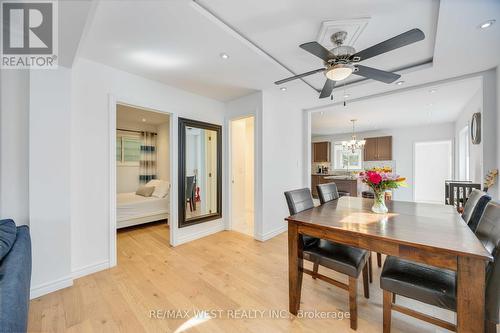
(379, 206)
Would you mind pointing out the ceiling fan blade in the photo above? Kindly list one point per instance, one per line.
(299, 76)
(376, 74)
(318, 50)
(406, 38)
(327, 88)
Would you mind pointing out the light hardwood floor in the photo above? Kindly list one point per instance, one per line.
(227, 271)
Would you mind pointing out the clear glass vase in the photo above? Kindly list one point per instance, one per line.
(379, 206)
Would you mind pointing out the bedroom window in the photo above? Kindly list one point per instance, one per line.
(346, 160)
(128, 150)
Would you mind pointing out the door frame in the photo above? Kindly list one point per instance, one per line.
(229, 224)
(452, 160)
(113, 102)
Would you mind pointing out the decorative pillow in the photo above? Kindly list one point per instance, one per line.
(145, 191)
(153, 182)
(7, 236)
(161, 190)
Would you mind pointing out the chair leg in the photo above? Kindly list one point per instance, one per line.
(393, 298)
(315, 270)
(387, 311)
(366, 287)
(490, 327)
(379, 260)
(353, 305)
(370, 268)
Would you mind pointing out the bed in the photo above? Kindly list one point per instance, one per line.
(133, 209)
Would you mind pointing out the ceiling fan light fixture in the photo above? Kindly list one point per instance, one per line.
(339, 72)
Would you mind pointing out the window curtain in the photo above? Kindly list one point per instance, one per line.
(148, 157)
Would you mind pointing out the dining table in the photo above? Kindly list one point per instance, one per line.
(432, 234)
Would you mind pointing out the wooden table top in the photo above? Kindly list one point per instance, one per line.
(434, 227)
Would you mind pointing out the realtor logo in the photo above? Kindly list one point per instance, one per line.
(29, 38)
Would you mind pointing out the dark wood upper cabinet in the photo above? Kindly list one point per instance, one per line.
(378, 149)
(321, 151)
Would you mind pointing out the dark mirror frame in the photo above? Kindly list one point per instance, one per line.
(183, 124)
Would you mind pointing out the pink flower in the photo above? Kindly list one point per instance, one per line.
(374, 177)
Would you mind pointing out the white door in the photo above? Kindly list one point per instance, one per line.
(432, 166)
(242, 175)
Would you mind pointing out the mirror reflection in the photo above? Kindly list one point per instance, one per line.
(201, 172)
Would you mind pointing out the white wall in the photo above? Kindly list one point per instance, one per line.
(475, 151)
(490, 129)
(403, 140)
(49, 179)
(282, 159)
(498, 122)
(14, 155)
(93, 84)
(163, 148)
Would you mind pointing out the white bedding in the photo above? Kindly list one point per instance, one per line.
(132, 206)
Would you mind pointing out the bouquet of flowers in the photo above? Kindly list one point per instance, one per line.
(380, 180)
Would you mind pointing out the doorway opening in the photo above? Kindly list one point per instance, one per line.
(142, 168)
(432, 167)
(242, 162)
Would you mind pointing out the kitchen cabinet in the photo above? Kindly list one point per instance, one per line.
(378, 149)
(321, 151)
(347, 185)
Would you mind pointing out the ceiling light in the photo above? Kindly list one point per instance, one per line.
(487, 24)
(321, 113)
(339, 72)
(156, 59)
(346, 95)
(143, 120)
(283, 88)
(400, 83)
(432, 91)
(224, 56)
(431, 105)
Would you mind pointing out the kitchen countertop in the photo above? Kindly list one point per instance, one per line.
(333, 176)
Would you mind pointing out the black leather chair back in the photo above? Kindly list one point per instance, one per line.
(474, 208)
(488, 232)
(298, 201)
(327, 192)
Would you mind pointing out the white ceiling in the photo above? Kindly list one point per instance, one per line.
(189, 41)
(430, 104)
(129, 114)
(281, 26)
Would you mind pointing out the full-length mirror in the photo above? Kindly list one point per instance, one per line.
(200, 172)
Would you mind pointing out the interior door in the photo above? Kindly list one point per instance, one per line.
(432, 166)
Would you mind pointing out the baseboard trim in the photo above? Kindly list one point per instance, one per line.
(272, 233)
(90, 269)
(50, 287)
(200, 234)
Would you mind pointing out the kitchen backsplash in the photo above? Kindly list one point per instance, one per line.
(379, 164)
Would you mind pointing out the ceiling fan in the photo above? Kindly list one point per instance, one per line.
(342, 61)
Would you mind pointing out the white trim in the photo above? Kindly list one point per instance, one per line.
(49, 287)
(113, 101)
(90, 269)
(273, 233)
(112, 181)
(203, 233)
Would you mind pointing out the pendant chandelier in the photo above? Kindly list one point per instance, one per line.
(353, 144)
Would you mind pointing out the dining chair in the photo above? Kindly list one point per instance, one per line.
(436, 286)
(190, 182)
(474, 208)
(340, 258)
